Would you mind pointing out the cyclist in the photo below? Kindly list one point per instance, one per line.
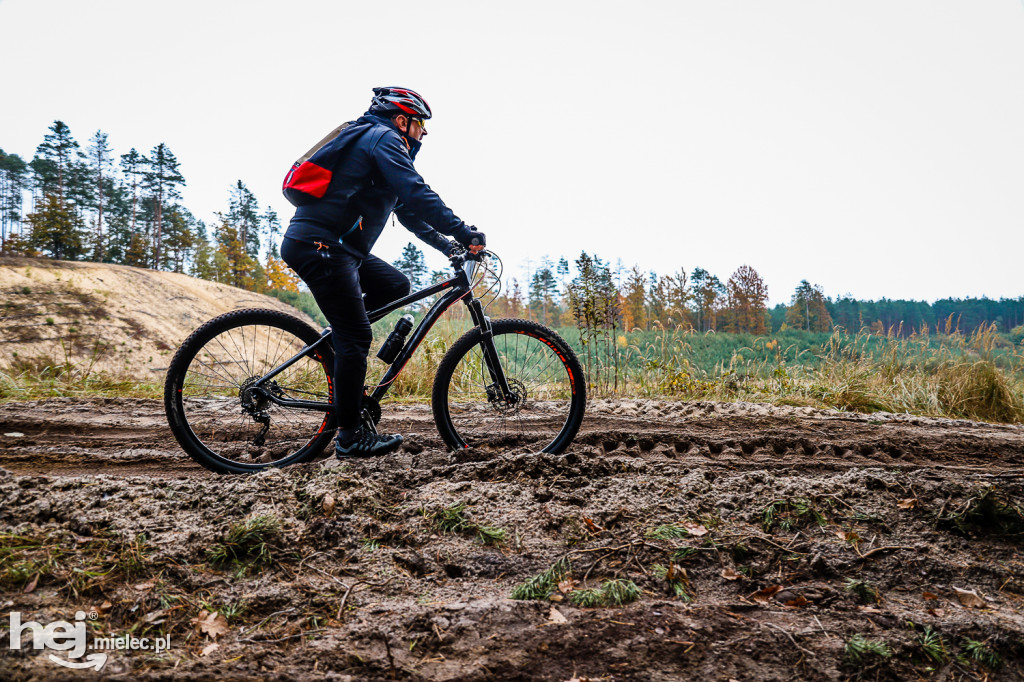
(328, 244)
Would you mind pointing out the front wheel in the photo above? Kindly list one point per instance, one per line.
(547, 393)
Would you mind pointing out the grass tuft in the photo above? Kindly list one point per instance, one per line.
(453, 519)
(589, 598)
(989, 511)
(864, 590)
(669, 531)
(543, 584)
(979, 652)
(619, 591)
(677, 580)
(247, 543)
(791, 513)
(859, 648)
(933, 646)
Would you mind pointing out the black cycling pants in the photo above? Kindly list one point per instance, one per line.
(338, 281)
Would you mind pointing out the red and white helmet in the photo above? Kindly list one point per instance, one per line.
(399, 101)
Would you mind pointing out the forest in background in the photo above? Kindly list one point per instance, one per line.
(88, 203)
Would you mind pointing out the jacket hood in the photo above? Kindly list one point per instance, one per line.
(414, 145)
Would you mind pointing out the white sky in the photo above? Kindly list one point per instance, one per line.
(873, 147)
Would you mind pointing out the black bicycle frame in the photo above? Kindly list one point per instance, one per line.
(455, 289)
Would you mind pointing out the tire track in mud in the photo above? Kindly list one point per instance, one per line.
(130, 437)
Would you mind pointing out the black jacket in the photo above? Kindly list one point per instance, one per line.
(375, 178)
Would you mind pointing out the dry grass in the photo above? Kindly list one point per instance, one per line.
(959, 376)
(58, 380)
(956, 375)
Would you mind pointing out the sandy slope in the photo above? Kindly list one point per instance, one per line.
(124, 320)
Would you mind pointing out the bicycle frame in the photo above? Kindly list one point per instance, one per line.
(455, 289)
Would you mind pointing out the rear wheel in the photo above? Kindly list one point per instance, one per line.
(229, 425)
(548, 394)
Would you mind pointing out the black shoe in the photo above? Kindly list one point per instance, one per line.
(363, 443)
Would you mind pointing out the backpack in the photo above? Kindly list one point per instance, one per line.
(310, 176)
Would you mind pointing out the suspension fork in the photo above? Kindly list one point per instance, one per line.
(494, 368)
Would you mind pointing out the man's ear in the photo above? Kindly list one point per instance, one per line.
(402, 124)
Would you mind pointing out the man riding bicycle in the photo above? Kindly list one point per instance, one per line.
(328, 244)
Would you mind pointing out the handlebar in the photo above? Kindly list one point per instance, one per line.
(460, 255)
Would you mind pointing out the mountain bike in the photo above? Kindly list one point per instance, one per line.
(252, 388)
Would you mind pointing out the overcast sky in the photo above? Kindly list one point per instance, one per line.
(872, 147)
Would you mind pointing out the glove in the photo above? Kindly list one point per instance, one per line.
(476, 241)
(450, 249)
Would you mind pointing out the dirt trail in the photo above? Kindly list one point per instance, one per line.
(770, 512)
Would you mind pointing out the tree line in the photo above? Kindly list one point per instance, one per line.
(592, 293)
(91, 204)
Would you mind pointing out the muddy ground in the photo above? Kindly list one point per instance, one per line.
(762, 540)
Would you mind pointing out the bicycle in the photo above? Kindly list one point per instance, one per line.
(251, 389)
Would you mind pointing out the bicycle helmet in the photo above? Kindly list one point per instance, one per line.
(391, 101)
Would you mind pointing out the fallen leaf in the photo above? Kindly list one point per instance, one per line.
(211, 623)
(556, 617)
(798, 602)
(209, 649)
(155, 617)
(908, 503)
(32, 585)
(938, 613)
(695, 529)
(869, 609)
(148, 585)
(567, 586)
(589, 523)
(928, 596)
(969, 598)
(848, 536)
(556, 598)
(765, 595)
(730, 574)
(328, 504)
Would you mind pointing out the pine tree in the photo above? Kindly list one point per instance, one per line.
(233, 265)
(243, 214)
(413, 265)
(808, 309)
(13, 174)
(133, 167)
(162, 177)
(100, 163)
(271, 228)
(708, 294)
(180, 238)
(117, 214)
(55, 229)
(204, 257)
(56, 156)
(543, 288)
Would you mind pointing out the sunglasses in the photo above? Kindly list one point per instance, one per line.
(419, 122)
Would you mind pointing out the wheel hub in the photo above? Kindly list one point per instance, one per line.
(516, 400)
(253, 399)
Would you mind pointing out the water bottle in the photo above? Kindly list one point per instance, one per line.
(396, 340)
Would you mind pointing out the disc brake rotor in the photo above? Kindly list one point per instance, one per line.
(512, 407)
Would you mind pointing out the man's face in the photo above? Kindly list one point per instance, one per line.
(413, 127)
(417, 129)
